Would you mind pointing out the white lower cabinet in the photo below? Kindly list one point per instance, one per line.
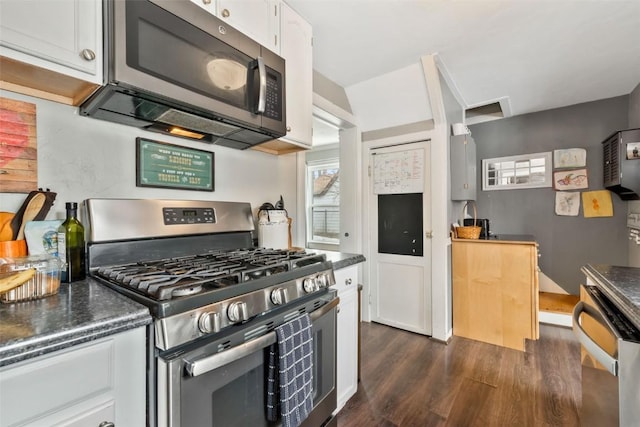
(90, 384)
(347, 342)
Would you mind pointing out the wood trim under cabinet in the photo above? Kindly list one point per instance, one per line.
(16, 76)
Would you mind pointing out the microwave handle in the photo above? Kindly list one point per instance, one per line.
(262, 99)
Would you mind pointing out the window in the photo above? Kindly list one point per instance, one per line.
(524, 171)
(323, 202)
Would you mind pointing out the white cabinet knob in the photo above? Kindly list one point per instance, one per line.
(88, 54)
(226, 13)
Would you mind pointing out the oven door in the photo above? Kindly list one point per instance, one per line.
(206, 387)
(610, 354)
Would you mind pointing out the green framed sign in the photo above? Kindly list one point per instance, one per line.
(163, 165)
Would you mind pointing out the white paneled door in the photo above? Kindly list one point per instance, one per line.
(400, 221)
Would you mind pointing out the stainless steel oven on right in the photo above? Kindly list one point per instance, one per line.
(610, 354)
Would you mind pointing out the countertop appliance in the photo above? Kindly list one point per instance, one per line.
(215, 301)
(610, 358)
(483, 223)
(170, 67)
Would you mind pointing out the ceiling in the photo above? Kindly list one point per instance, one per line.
(532, 54)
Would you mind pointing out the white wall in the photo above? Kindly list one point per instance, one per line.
(81, 158)
(392, 99)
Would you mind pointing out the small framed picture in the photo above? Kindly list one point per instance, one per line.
(633, 151)
(163, 165)
(567, 203)
(570, 158)
(573, 179)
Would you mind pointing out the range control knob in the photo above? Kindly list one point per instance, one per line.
(310, 285)
(279, 296)
(209, 322)
(237, 312)
(323, 280)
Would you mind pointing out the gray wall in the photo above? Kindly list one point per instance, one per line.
(566, 243)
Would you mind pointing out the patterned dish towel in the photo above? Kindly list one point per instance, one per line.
(290, 373)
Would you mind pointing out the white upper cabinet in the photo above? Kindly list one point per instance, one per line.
(255, 18)
(208, 5)
(296, 49)
(63, 36)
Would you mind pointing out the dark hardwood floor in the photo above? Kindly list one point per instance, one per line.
(410, 380)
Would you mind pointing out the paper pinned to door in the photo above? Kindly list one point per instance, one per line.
(398, 172)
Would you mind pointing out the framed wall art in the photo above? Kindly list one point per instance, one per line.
(159, 164)
(570, 158)
(633, 151)
(567, 203)
(18, 147)
(575, 179)
(597, 204)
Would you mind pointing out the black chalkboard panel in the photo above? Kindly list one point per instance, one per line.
(400, 224)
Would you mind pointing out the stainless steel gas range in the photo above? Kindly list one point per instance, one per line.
(216, 301)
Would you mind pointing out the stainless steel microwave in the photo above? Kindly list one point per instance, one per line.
(171, 67)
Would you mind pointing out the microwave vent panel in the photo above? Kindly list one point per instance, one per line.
(196, 123)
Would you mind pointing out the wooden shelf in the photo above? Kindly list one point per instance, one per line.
(558, 303)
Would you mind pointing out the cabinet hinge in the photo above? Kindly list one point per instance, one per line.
(369, 170)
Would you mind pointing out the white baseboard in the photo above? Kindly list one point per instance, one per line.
(558, 319)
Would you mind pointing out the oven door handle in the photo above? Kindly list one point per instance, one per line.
(206, 364)
(610, 363)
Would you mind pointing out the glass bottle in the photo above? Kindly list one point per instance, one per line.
(71, 245)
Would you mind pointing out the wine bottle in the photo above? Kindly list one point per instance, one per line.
(71, 245)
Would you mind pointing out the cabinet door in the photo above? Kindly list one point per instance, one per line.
(255, 18)
(463, 168)
(94, 417)
(347, 366)
(296, 49)
(64, 32)
(347, 341)
(611, 162)
(208, 5)
(83, 385)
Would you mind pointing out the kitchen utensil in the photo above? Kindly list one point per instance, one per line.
(17, 221)
(31, 211)
(13, 248)
(6, 233)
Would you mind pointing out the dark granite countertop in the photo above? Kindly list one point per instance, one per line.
(341, 259)
(621, 285)
(80, 312)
